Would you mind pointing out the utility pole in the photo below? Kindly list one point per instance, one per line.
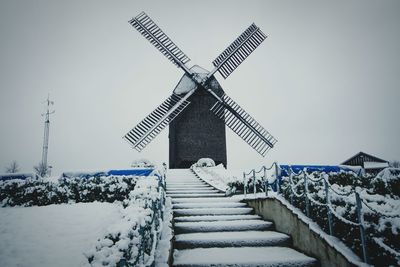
(46, 131)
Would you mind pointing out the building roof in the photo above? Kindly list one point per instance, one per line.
(367, 158)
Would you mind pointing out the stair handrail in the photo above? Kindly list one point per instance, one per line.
(305, 178)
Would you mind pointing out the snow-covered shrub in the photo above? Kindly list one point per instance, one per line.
(132, 241)
(142, 163)
(387, 182)
(205, 162)
(376, 192)
(42, 192)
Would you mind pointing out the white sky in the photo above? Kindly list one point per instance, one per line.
(325, 83)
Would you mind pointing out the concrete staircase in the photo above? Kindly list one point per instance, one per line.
(214, 230)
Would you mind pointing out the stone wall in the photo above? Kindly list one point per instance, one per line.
(304, 238)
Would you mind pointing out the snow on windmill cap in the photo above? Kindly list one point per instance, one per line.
(187, 84)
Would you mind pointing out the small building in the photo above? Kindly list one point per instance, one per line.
(371, 164)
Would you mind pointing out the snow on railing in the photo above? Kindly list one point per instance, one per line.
(250, 179)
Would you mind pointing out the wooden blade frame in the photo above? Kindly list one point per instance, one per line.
(238, 51)
(140, 136)
(146, 26)
(243, 125)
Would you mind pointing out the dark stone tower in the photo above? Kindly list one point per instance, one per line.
(197, 133)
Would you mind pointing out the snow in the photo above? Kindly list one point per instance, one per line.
(142, 163)
(203, 199)
(205, 162)
(215, 226)
(175, 195)
(375, 165)
(244, 256)
(193, 191)
(221, 204)
(140, 223)
(240, 238)
(331, 240)
(186, 83)
(216, 218)
(163, 249)
(217, 176)
(388, 174)
(379, 241)
(55, 235)
(213, 211)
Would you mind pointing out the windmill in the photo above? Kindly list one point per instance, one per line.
(199, 86)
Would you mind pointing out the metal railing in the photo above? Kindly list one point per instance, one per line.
(304, 180)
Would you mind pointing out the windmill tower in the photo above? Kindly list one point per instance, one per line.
(203, 107)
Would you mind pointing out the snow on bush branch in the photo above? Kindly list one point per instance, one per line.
(31, 192)
(132, 241)
(380, 196)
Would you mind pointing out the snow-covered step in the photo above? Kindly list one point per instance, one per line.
(202, 189)
(198, 183)
(244, 257)
(212, 211)
(201, 200)
(216, 218)
(188, 186)
(217, 226)
(191, 181)
(179, 195)
(231, 239)
(220, 204)
(193, 191)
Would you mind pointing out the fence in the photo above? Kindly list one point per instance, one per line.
(304, 180)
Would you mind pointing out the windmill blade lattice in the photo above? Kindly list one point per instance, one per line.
(152, 125)
(146, 26)
(243, 125)
(239, 50)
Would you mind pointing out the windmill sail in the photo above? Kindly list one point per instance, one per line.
(152, 125)
(239, 50)
(243, 125)
(145, 25)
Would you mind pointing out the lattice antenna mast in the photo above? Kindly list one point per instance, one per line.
(46, 130)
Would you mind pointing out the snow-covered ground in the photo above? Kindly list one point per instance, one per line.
(54, 235)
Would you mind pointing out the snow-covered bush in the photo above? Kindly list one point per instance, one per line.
(205, 162)
(42, 192)
(379, 197)
(142, 163)
(132, 241)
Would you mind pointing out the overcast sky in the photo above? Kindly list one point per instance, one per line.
(325, 82)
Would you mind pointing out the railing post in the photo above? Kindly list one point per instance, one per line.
(265, 181)
(327, 201)
(362, 230)
(254, 183)
(244, 184)
(276, 178)
(290, 184)
(305, 194)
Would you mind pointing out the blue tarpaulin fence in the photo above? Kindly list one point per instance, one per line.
(18, 176)
(296, 169)
(85, 175)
